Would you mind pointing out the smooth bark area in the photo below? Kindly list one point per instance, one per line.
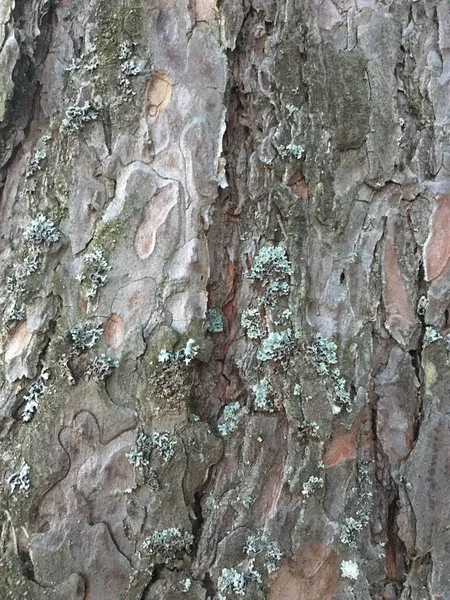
(225, 288)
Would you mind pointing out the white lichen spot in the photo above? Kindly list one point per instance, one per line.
(186, 585)
(431, 335)
(309, 487)
(35, 391)
(349, 569)
(350, 531)
(20, 480)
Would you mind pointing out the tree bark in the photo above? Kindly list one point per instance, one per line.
(225, 292)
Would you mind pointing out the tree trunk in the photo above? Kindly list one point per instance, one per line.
(225, 289)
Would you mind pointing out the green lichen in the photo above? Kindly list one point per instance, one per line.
(234, 583)
(33, 395)
(183, 356)
(231, 418)
(350, 531)
(76, 117)
(313, 484)
(431, 335)
(42, 232)
(251, 321)
(273, 292)
(262, 391)
(323, 352)
(84, 336)
(97, 271)
(118, 29)
(422, 305)
(277, 346)
(101, 367)
(270, 264)
(40, 154)
(214, 321)
(20, 479)
(160, 442)
(164, 546)
(267, 552)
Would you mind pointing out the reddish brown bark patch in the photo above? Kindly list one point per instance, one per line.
(342, 448)
(20, 339)
(159, 93)
(267, 502)
(205, 10)
(156, 212)
(437, 248)
(313, 574)
(114, 330)
(298, 184)
(400, 315)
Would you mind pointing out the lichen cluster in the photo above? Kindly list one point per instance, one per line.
(323, 352)
(159, 442)
(39, 235)
(230, 419)
(85, 336)
(266, 321)
(32, 397)
(165, 546)
(82, 338)
(77, 116)
(101, 367)
(97, 271)
(42, 231)
(262, 558)
(20, 479)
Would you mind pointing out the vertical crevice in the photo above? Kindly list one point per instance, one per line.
(416, 354)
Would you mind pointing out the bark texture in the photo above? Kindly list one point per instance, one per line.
(225, 284)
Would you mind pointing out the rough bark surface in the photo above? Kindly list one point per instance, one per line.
(225, 285)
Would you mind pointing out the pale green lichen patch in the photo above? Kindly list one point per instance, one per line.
(184, 355)
(230, 419)
(108, 234)
(40, 154)
(267, 552)
(263, 392)
(97, 269)
(42, 231)
(350, 531)
(159, 442)
(85, 336)
(431, 335)
(349, 569)
(251, 321)
(422, 305)
(101, 367)
(232, 582)
(32, 397)
(76, 117)
(165, 546)
(214, 321)
(323, 352)
(313, 484)
(277, 346)
(270, 264)
(117, 36)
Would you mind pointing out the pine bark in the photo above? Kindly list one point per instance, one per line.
(225, 292)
